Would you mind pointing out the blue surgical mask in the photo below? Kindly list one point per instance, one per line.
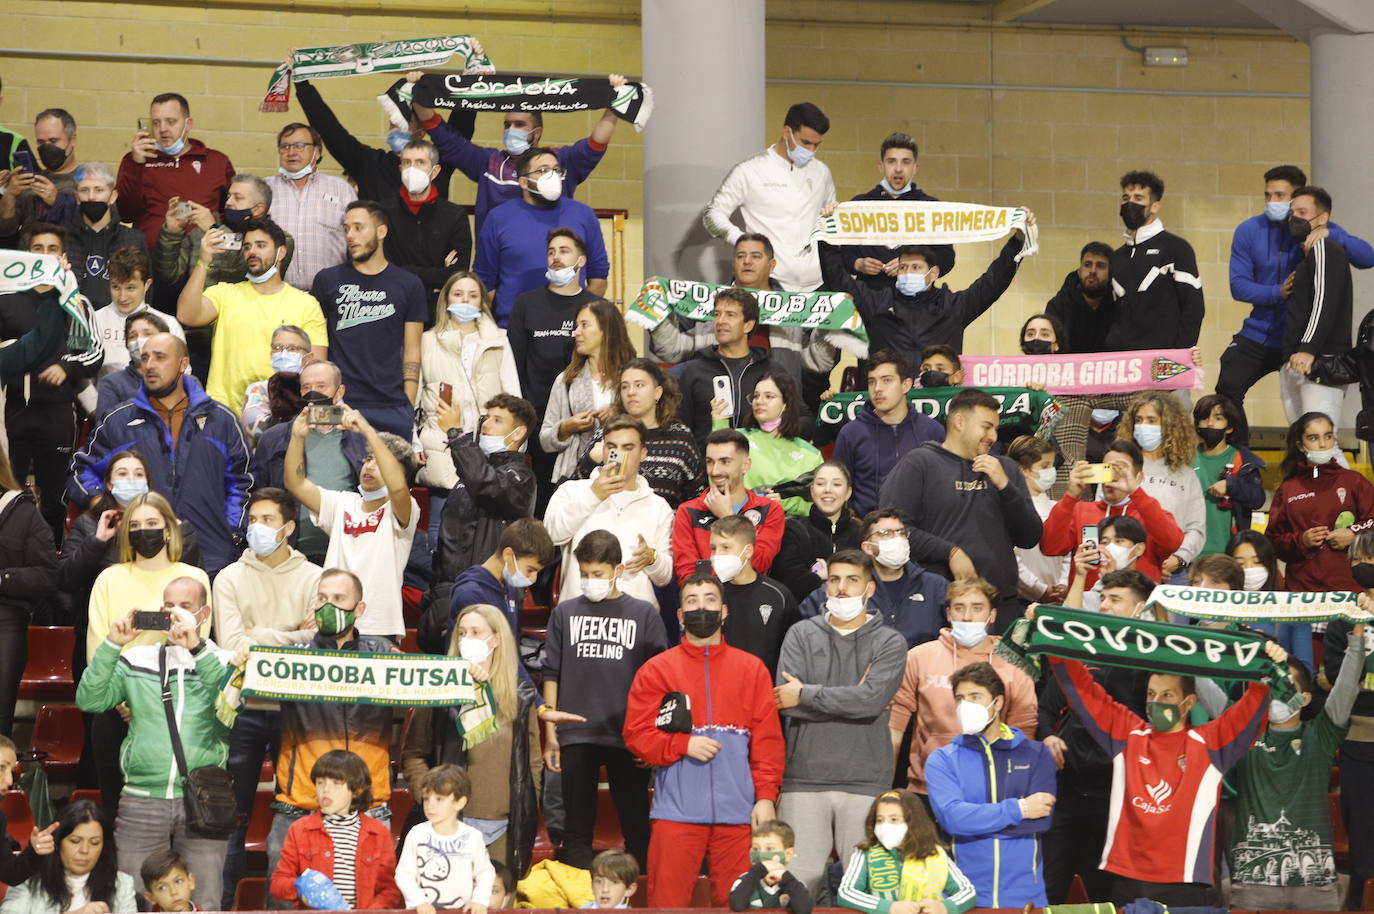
(515, 578)
(397, 140)
(462, 312)
(372, 494)
(892, 190)
(1105, 416)
(561, 277)
(800, 155)
(516, 140)
(1277, 210)
(492, 444)
(296, 175)
(1148, 436)
(288, 361)
(174, 149)
(259, 280)
(262, 539)
(126, 490)
(911, 283)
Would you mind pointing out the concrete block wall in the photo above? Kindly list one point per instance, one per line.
(1095, 113)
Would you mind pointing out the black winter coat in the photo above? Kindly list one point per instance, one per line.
(420, 242)
(805, 539)
(492, 492)
(28, 559)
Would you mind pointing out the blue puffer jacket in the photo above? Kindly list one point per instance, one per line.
(1262, 256)
(871, 448)
(919, 616)
(205, 476)
(975, 789)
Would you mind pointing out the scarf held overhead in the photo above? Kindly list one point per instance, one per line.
(893, 223)
(306, 674)
(633, 102)
(371, 57)
(1087, 373)
(1143, 644)
(832, 313)
(1017, 405)
(1259, 605)
(21, 271)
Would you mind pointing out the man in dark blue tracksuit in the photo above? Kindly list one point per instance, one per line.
(1264, 257)
(194, 447)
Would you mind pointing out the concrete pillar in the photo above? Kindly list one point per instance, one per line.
(704, 60)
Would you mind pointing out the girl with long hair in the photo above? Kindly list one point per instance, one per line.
(779, 457)
(1158, 423)
(497, 739)
(900, 864)
(1259, 564)
(808, 542)
(584, 395)
(1043, 578)
(1315, 505)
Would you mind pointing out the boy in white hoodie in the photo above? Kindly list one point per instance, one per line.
(444, 862)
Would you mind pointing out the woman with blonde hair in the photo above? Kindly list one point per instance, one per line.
(464, 360)
(29, 559)
(585, 394)
(496, 739)
(1157, 421)
(150, 550)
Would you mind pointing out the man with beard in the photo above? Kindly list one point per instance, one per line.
(1084, 302)
(38, 197)
(193, 447)
(245, 314)
(376, 312)
(513, 243)
(178, 244)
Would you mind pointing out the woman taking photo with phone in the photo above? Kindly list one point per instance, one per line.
(1158, 423)
(150, 552)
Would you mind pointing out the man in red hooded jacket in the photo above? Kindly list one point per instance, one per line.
(1123, 495)
(166, 162)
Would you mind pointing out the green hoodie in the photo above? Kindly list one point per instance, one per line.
(150, 768)
(775, 461)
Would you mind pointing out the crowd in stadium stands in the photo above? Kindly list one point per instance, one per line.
(328, 414)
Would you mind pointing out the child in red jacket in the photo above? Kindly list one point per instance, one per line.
(355, 851)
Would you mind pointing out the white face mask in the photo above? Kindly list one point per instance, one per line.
(1280, 713)
(844, 609)
(1121, 555)
(597, 589)
(1045, 478)
(415, 180)
(890, 834)
(973, 717)
(549, 186)
(1321, 458)
(1256, 577)
(474, 650)
(726, 566)
(968, 634)
(894, 552)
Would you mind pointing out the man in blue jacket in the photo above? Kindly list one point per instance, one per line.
(194, 448)
(885, 429)
(993, 790)
(1264, 257)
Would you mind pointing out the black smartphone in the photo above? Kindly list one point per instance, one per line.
(152, 621)
(23, 160)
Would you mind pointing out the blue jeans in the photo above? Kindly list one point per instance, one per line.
(256, 734)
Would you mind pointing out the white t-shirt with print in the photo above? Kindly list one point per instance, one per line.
(373, 546)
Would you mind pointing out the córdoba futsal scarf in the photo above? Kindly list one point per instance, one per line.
(633, 102)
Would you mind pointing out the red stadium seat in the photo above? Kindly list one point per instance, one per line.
(267, 774)
(259, 825)
(410, 605)
(85, 793)
(16, 806)
(58, 731)
(607, 833)
(640, 899)
(48, 674)
(400, 803)
(410, 643)
(250, 895)
(1367, 903)
(701, 893)
(1078, 892)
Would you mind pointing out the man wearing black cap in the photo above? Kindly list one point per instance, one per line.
(909, 312)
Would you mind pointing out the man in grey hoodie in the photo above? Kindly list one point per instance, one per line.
(968, 508)
(836, 674)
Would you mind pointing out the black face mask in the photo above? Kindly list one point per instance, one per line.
(1133, 215)
(237, 218)
(94, 210)
(701, 623)
(1299, 228)
(317, 398)
(1036, 347)
(932, 378)
(147, 543)
(52, 156)
(1211, 437)
(1364, 575)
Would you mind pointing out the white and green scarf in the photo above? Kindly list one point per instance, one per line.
(21, 271)
(893, 223)
(831, 313)
(1259, 605)
(370, 57)
(477, 722)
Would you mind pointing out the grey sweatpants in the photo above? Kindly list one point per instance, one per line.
(822, 821)
(145, 824)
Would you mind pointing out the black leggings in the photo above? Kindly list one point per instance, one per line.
(629, 791)
(14, 654)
